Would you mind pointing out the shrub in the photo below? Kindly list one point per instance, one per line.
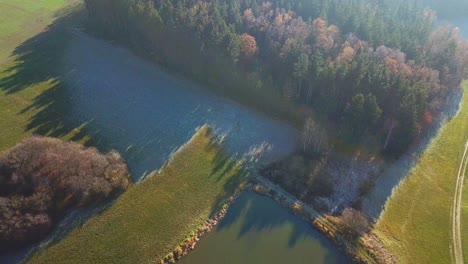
(41, 177)
(353, 223)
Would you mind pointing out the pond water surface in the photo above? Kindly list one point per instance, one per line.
(134, 103)
(256, 229)
(146, 113)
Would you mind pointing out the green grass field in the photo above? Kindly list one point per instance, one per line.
(464, 219)
(22, 19)
(416, 224)
(28, 83)
(150, 219)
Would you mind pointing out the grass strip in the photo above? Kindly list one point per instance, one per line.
(153, 217)
(416, 224)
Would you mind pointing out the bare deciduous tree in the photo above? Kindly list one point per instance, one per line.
(314, 137)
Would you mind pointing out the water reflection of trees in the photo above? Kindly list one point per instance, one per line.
(258, 213)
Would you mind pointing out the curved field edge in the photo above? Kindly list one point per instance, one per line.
(154, 217)
(416, 225)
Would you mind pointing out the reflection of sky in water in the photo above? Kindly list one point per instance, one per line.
(146, 113)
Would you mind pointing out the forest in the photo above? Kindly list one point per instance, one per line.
(376, 71)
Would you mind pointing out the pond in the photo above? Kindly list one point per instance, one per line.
(146, 113)
(257, 229)
(134, 103)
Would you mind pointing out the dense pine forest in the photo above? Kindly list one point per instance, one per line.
(371, 69)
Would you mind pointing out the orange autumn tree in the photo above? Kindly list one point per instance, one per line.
(249, 46)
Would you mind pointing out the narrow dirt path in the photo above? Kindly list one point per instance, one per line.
(456, 209)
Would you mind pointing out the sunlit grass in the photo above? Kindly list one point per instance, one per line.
(33, 72)
(22, 19)
(416, 223)
(464, 218)
(153, 217)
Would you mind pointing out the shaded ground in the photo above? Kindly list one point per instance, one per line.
(30, 82)
(30, 85)
(67, 80)
(22, 19)
(56, 87)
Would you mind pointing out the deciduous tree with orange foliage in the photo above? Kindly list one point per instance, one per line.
(317, 53)
(249, 46)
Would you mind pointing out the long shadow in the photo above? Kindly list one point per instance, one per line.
(37, 65)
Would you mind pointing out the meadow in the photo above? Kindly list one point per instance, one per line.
(27, 80)
(22, 19)
(464, 219)
(153, 217)
(173, 203)
(416, 224)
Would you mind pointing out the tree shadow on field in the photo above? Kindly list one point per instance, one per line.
(37, 70)
(35, 73)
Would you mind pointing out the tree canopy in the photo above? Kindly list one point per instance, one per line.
(360, 64)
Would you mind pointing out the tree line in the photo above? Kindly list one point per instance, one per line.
(371, 68)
